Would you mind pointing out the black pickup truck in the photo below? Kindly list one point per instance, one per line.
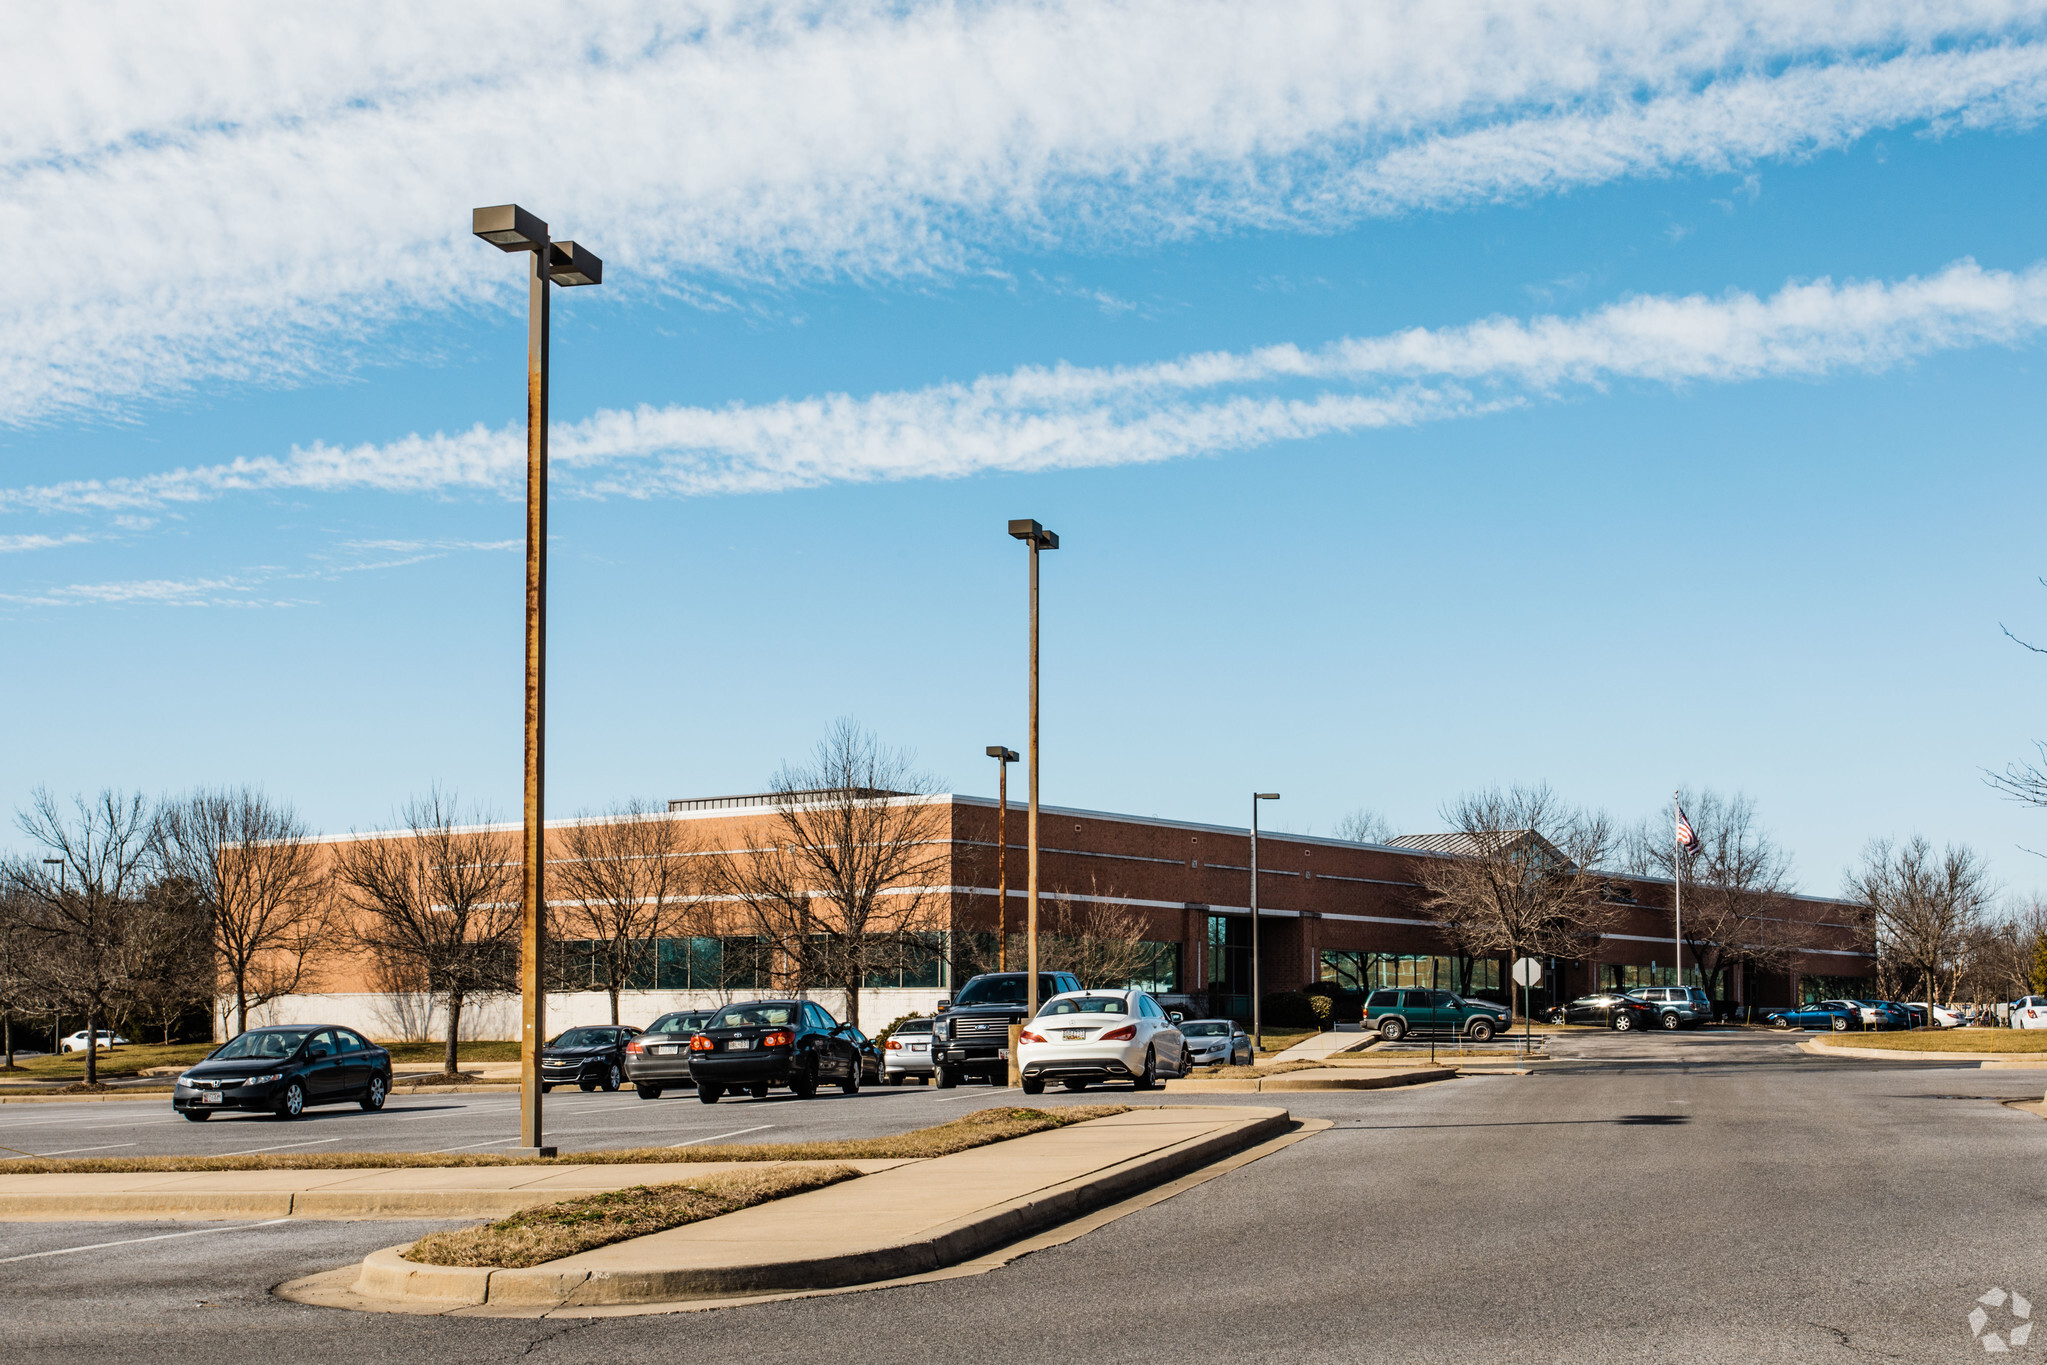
(970, 1037)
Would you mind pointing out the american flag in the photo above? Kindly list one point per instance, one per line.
(1685, 837)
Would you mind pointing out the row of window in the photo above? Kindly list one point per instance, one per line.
(745, 963)
(1359, 971)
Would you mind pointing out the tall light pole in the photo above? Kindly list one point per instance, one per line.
(1257, 1003)
(1003, 757)
(1038, 538)
(510, 228)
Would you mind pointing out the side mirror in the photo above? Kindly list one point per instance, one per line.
(1175, 1015)
(944, 1003)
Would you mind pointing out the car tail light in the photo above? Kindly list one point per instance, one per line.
(892, 1045)
(1120, 1035)
(779, 1038)
(634, 1046)
(1028, 1037)
(701, 1043)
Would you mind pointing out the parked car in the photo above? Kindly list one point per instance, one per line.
(283, 1070)
(1080, 1037)
(658, 1059)
(590, 1058)
(870, 1055)
(1874, 1014)
(1616, 1009)
(1826, 1014)
(1216, 1042)
(1676, 1006)
(75, 1042)
(971, 1035)
(761, 1044)
(1395, 1014)
(907, 1052)
(2029, 1012)
(1943, 1017)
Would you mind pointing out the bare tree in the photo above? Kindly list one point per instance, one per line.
(253, 866)
(1928, 909)
(437, 901)
(171, 963)
(839, 880)
(1091, 936)
(81, 918)
(17, 976)
(621, 882)
(1523, 877)
(1997, 959)
(1737, 886)
(1365, 826)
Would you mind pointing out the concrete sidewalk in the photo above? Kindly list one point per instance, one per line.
(391, 1192)
(909, 1220)
(1323, 1045)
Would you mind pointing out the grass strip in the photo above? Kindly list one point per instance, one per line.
(552, 1231)
(977, 1129)
(1251, 1073)
(1946, 1040)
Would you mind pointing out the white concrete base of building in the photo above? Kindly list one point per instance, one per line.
(418, 1018)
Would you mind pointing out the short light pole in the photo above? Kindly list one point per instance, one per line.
(1003, 758)
(57, 1015)
(510, 228)
(1257, 1002)
(1038, 538)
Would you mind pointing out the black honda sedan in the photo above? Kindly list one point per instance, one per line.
(282, 1070)
(766, 1043)
(1619, 1012)
(589, 1058)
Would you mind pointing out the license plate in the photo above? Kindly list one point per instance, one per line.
(209, 1097)
(1074, 1035)
(738, 1044)
(919, 1047)
(667, 1049)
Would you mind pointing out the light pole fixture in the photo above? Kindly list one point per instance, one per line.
(1003, 758)
(1257, 1011)
(510, 228)
(1038, 538)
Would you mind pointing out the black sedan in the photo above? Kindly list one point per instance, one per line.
(765, 1043)
(589, 1058)
(282, 1070)
(1619, 1012)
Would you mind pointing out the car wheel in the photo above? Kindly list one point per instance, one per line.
(546, 1089)
(1624, 1022)
(1670, 1023)
(1840, 1025)
(851, 1085)
(648, 1092)
(803, 1084)
(587, 1086)
(612, 1078)
(947, 1078)
(710, 1094)
(373, 1095)
(197, 1115)
(292, 1102)
(1481, 1032)
(1032, 1085)
(1150, 1075)
(1392, 1030)
(759, 1092)
(896, 1079)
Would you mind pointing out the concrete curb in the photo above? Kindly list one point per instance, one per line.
(1294, 1082)
(2016, 1060)
(387, 1276)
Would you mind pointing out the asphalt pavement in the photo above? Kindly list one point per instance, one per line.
(1694, 1197)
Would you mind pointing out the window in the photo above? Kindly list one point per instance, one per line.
(1085, 1004)
(819, 1019)
(1362, 971)
(262, 1043)
(738, 963)
(349, 1042)
(585, 1037)
(774, 1014)
(322, 1045)
(1414, 1000)
(1382, 1000)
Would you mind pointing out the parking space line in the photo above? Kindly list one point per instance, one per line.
(998, 1090)
(67, 1151)
(160, 1237)
(715, 1136)
(274, 1147)
(493, 1142)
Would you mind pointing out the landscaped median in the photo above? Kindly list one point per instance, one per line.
(1994, 1047)
(1304, 1076)
(913, 1218)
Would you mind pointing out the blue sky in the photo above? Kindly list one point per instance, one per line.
(1606, 396)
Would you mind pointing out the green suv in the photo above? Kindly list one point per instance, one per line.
(1395, 1014)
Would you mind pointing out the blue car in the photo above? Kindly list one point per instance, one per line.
(1833, 1015)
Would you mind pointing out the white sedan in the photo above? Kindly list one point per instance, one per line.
(1086, 1036)
(76, 1042)
(2030, 1012)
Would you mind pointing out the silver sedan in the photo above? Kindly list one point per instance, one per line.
(907, 1053)
(1216, 1042)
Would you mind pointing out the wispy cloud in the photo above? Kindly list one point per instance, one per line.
(254, 586)
(1062, 416)
(207, 196)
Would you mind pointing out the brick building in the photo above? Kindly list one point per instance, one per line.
(1330, 910)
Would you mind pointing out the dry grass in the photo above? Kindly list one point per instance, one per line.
(553, 1231)
(1946, 1040)
(977, 1129)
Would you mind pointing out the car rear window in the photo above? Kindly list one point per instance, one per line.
(1087, 1004)
(754, 1016)
(1382, 1000)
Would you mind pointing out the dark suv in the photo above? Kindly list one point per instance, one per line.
(970, 1037)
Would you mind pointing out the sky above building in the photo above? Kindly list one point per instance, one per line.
(1426, 397)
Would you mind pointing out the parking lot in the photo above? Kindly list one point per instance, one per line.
(1697, 1196)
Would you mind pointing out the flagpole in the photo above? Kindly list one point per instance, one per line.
(1677, 882)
